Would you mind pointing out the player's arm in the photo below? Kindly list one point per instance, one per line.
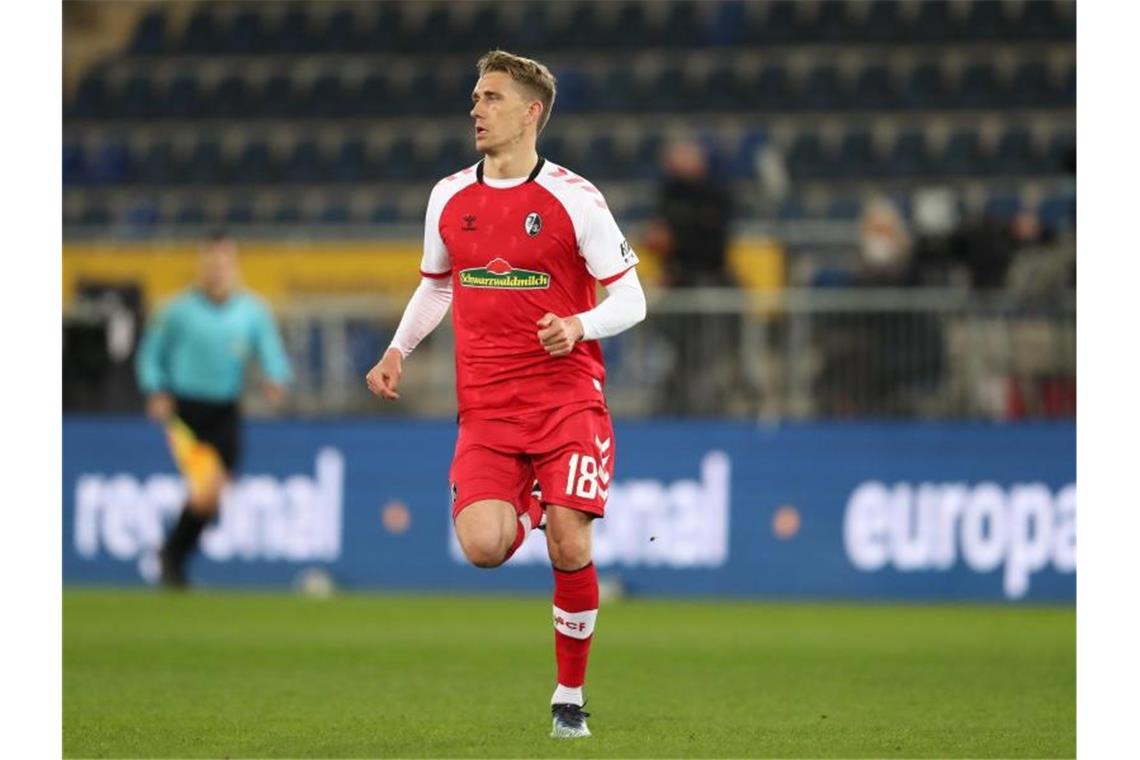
(611, 260)
(425, 309)
(150, 365)
(271, 355)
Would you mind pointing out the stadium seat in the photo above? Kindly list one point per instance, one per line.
(823, 90)
(1039, 21)
(254, 165)
(979, 88)
(668, 89)
(201, 34)
(287, 212)
(647, 157)
(95, 214)
(334, 212)
(844, 208)
(182, 99)
(278, 98)
(582, 27)
(616, 91)
(932, 23)
(293, 36)
(908, 156)
(401, 162)
(926, 88)
(806, 158)
(741, 164)
(792, 209)
(384, 213)
(1002, 205)
(1062, 151)
(962, 155)
(325, 98)
(832, 24)
(112, 164)
(533, 32)
(988, 21)
(777, 26)
(245, 35)
(881, 24)
(681, 28)
(373, 96)
(1069, 91)
(856, 156)
(232, 99)
(452, 155)
(239, 213)
(305, 165)
(74, 165)
(149, 37)
(352, 163)
(190, 213)
(340, 33)
(874, 89)
(205, 164)
(91, 98)
(729, 23)
(431, 36)
(725, 89)
(600, 160)
(486, 27)
(1058, 211)
(157, 166)
(137, 100)
(1031, 86)
(1015, 154)
(573, 85)
(773, 92)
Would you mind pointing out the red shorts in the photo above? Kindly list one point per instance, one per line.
(570, 453)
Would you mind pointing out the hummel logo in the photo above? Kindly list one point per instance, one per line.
(468, 222)
(602, 445)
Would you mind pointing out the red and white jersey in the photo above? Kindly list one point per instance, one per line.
(515, 250)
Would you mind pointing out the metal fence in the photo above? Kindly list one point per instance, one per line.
(798, 354)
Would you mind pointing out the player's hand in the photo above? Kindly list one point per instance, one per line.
(274, 393)
(160, 407)
(384, 378)
(558, 335)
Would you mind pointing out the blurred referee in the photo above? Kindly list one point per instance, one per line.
(191, 364)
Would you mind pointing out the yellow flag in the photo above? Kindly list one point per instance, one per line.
(198, 462)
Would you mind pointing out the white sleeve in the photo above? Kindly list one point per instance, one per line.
(423, 314)
(601, 243)
(436, 261)
(623, 308)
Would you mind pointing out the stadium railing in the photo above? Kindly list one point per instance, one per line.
(796, 354)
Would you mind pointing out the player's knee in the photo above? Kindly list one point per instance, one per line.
(570, 552)
(483, 548)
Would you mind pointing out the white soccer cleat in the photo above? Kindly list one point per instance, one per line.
(569, 722)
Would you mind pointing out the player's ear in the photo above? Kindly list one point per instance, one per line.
(534, 112)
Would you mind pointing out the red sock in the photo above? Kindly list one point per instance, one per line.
(575, 610)
(520, 536)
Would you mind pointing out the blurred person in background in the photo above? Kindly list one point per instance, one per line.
(878, 362)
(191, 365)
(515, 246)
(690, 232)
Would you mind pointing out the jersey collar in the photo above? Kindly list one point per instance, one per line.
(533, 172)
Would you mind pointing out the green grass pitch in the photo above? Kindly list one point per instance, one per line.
(247, 675)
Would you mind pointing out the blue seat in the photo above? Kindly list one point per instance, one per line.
(792, 209)
(340, 34)
(432, 35)
(74, 165)
(908, 156)
(1003, 205)
(554, 148)
(773, 91)
(191, 213)
(806, 159)
(1058, 211)
(856, 157)
(882, 23)
(979, 88)
(141, 217)
(95, 214)
(533, 32)
(932, 23)
(729, 23)
(1062, 148)
(1039, 21)
(832, 24)
(232, 99)
(600, 160)
(326, 99)
(1069, 91)
(246, 35)
(573, 85)
(137, 100)
(201, 35)
(988, 21)
(334, 212)
(157, 166)
(205, 164)
(822, 90)
(91, 98)
(452, 155)
(401, 162)
(582, 29)
(485, 25)
(777, 26)
(239, 212)
(725, 89)
(278, 98)
(293, 36)
(352, 163)
(385, 212)
(149, 37)
(874, 89)
(287, 212)
(1031, 86)
(742, 162)
(926, 88)
(374, 96)
(305, 165)
(254, 165)
(182, 99)
(112, 164)
(681, 28)
(844, 208)
(963, 155)
(668, 89)
(1015, 154)
(616, 91)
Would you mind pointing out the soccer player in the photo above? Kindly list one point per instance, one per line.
(191, 364)
(515, 245)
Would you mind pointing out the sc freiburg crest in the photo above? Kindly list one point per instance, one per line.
(533, 223)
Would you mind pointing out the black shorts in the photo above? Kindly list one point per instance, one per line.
(215, 423)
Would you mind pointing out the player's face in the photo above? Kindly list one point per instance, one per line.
(219, 268)
(501, 111)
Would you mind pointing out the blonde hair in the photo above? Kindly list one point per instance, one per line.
(531, 74)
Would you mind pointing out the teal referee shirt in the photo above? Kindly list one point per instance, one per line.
(197, 348)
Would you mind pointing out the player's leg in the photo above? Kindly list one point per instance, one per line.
(492, 508)
(575, 477)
